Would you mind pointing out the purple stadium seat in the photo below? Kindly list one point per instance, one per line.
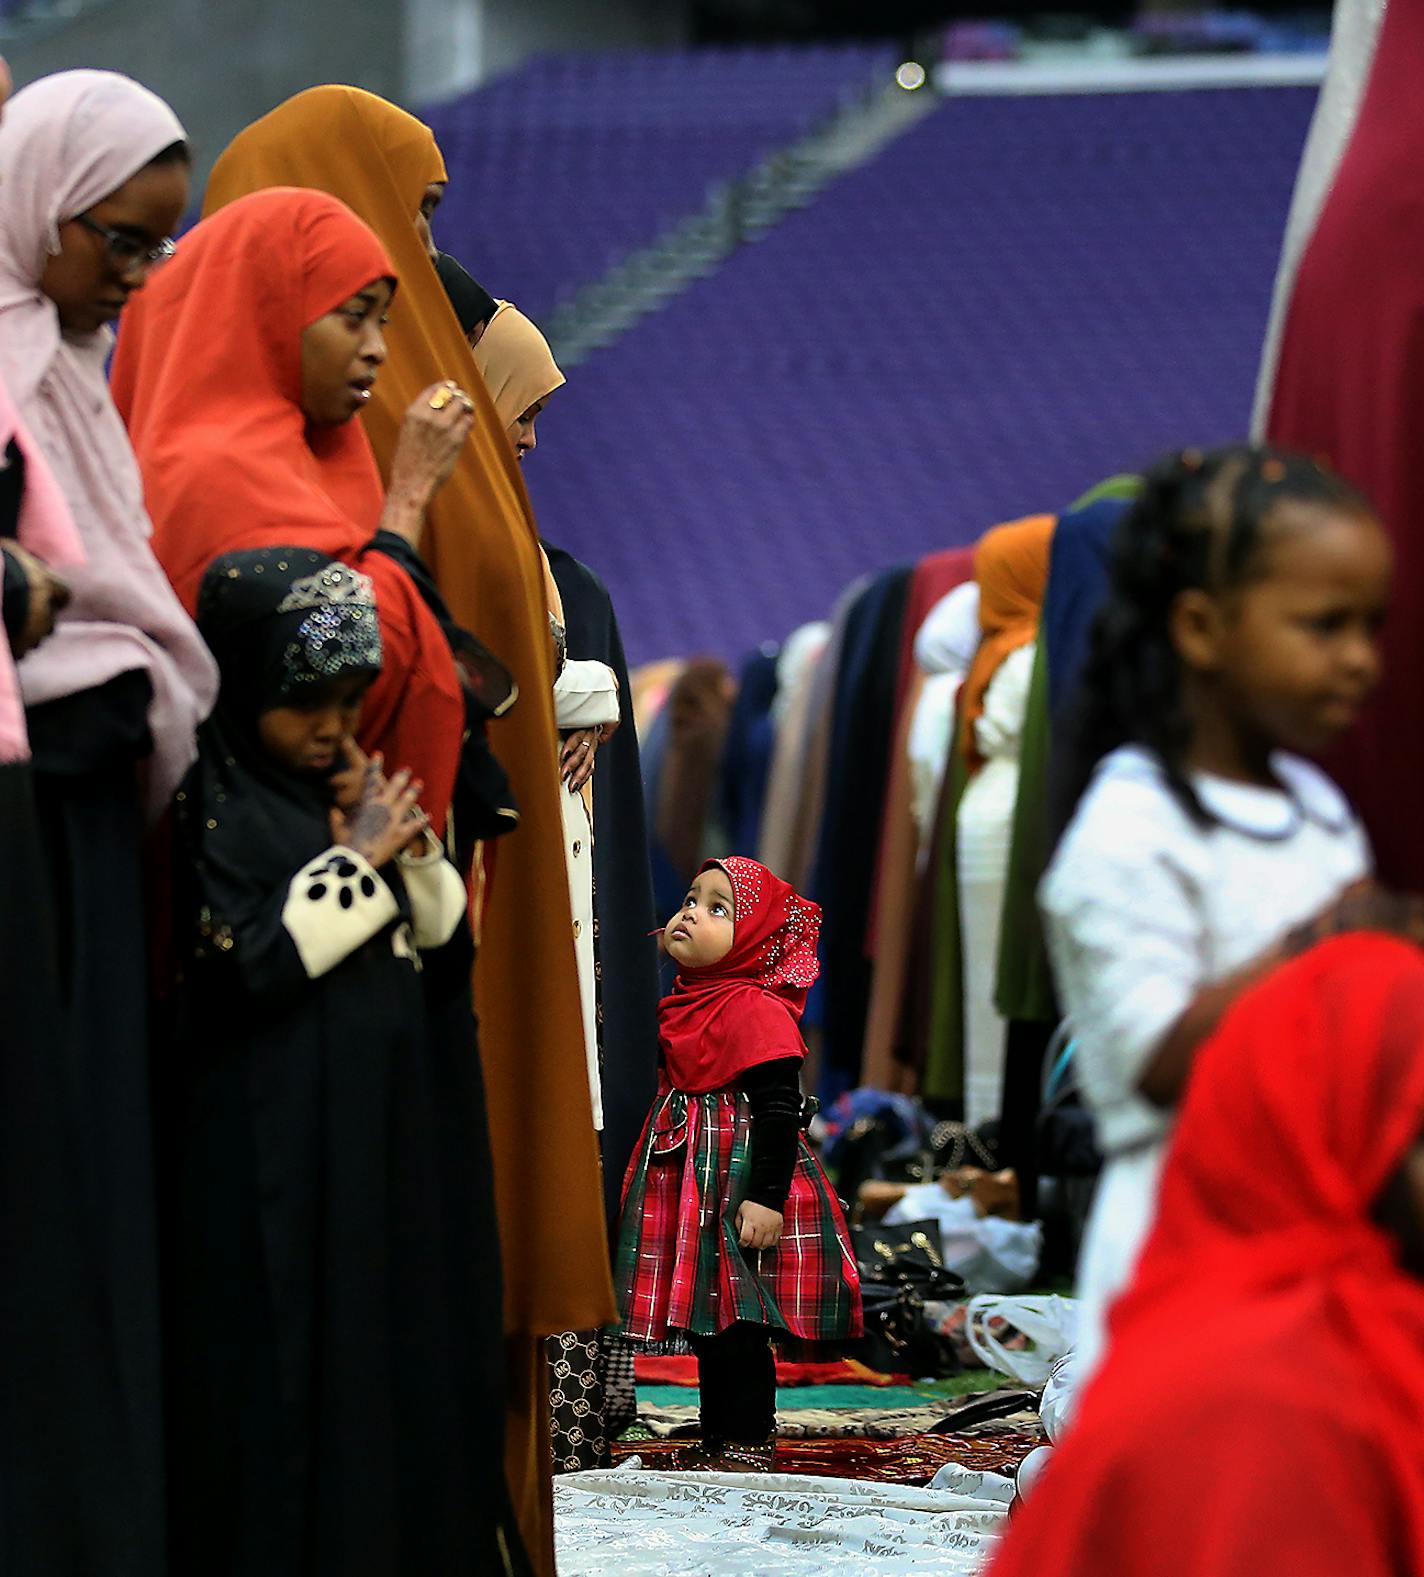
(1014, 300)
(565, 167)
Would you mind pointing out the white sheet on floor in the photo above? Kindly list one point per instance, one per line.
(631, 1522)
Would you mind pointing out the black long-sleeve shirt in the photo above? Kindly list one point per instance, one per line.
(774, 1092)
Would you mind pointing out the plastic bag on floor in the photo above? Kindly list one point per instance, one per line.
(1050, 1323)
(1059, 1396)
(992, 1255)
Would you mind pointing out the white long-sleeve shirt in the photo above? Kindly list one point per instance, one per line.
(1144, 908)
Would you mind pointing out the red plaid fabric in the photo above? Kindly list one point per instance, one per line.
(679, 1266)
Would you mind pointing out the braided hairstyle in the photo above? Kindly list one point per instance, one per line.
(1197, 524)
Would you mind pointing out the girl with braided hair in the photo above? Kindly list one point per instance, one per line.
(1240, 633)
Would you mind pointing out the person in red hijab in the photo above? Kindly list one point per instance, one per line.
(239, 375)
(1262, 1406)
(730, 1228)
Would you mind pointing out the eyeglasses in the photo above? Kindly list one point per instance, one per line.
(127, 252)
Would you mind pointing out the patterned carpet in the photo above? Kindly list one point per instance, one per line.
(913, 1459)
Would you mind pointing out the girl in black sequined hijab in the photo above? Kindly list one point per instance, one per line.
(332, 1257)
(298, 645)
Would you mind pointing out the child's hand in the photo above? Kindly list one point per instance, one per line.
(387, 820)
(348, 786)
(758, 1227)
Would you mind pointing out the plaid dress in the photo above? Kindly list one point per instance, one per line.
(679, 1266)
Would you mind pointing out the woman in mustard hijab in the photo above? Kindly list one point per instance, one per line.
(481, 544)
(592, 1387)
(519, 371)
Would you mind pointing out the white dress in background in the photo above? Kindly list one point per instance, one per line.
(927, 746)
(585, 696)
(1143, 909)
(944, 649)
(986, 814)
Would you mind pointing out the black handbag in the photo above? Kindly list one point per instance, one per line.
(909, 1255)
(899, 1338)
(902, 1268)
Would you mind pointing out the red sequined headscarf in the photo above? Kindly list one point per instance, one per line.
(719, 1021)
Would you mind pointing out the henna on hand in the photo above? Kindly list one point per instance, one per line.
(367, 823)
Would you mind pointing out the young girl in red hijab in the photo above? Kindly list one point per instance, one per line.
(731, 1229)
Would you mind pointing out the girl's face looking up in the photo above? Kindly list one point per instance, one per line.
(1286, 659)
(700, 933)
(308, 739)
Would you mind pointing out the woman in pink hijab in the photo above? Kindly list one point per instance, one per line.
(94, 171)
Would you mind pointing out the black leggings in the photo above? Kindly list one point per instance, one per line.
(736, 1374)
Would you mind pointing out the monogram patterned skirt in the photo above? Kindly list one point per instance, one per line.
(679, 1267)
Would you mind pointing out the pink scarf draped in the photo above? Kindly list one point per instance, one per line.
(67, 142)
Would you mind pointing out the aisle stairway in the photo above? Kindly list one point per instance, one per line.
(735, 213)
(567, 167)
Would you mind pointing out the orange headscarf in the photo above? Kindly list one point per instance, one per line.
(1011, 566)
(481, 544)
(208, 378)
(209, 374)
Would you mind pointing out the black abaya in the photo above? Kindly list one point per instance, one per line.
(80, 1463)
(860, 750)
(335, 1318)
(94, 1507)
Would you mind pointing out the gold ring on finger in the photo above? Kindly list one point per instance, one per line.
(440, 399)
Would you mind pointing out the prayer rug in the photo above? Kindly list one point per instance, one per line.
(908, 1459)
(656, 1369)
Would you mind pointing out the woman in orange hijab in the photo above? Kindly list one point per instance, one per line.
(233, 457)
(482, 547)
(1011, 567)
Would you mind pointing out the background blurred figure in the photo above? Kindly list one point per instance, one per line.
(1349, 375)
(1199, 834)
(1011, 571)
